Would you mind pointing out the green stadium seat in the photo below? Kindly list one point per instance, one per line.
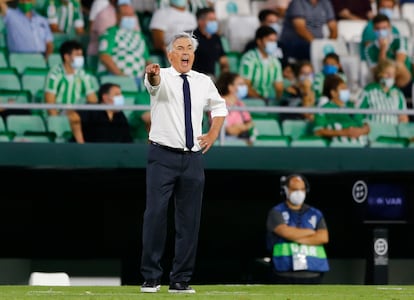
(9, 79)
(389, 142)
(267, 128)
(32, 139)
(3, 58)
(127, 83)
(233, 58)
(337, 144)
(406, 130)
(295, 128)
(15, 96)
(21, 126)
(60, 126)
(378, 129)
(53, 60)
(281, 141)
(33, 80)
(234, 143)
(138, 127)
(21, 61)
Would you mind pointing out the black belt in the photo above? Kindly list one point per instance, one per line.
(172, 149)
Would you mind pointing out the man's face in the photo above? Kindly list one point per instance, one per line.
(182, 55)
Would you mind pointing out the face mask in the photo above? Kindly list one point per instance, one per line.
(270, 48)
(78, 62)
(309, 77)
(128, 23)
(25, 7)
(212, 27)
(242, 91)
(276, 27)
(297, 197)
(179, 3)
(330, 69)
(386, 11)
(344, 95)
(388, 82)
(119, 100)
(382, 33)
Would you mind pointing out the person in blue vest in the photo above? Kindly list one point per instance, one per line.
(297, 233)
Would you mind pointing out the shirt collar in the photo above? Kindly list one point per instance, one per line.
(176, 73)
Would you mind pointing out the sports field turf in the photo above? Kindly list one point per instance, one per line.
(236, 292)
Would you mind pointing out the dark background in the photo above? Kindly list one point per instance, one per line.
(97, 213)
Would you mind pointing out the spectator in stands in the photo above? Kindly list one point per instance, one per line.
(103, 20)
(122, 49)
(331, 65)
(238, 124)
(268, 17)
(167, 21)
(383, 94)
(261, 69)
(27, 31)
(210, 50)
(65, 16)
(304, 22)
(102, 126)
(301, 92)
(391, 47)
(96, 7)
(67, 82)
(343, 128)
(384, 7)
(296, 235)
(352, 9)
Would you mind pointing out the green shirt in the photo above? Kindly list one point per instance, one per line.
(68, 17)
(69, 89)
(374, 97)
(339, 121)
(262, 73)
(368, 35)
(398, 45)
(127, 48)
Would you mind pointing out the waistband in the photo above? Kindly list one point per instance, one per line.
(172, 149)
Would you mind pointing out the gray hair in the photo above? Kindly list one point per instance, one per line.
(181, 35)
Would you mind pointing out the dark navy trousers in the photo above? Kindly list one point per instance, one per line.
(181, 176)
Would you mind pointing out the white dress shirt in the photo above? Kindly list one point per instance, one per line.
(167, 106)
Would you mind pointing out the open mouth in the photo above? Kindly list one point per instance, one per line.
(185, 61)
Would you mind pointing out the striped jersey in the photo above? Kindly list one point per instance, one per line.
(69, 89)
(374, 97)
(262, 72)
(68, 17)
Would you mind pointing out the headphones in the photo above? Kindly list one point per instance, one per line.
(284, 183)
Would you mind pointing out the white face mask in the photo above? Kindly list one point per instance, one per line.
(119, 100)
(78, 62)
(297, 197)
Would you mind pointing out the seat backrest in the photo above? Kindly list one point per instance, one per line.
(9, 79)
(53, 59)
(240, 29)
(21, 61)
(127, 83)
(351, 30)
(403, 26)
(3, 59)
(267, 127)
(406, 130)
(20, 124)
(34, 80)
(295, 128)
(378, 129)
(407, 11)
(320, 47)
(58, 124)
(15, 96)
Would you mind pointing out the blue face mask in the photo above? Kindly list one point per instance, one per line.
(179, 3)
(242, 91)
(128, 23)
(78, 62)
(276, 27)
(386, 11)
(330, 69)
(119, 100)
(382, 33)
(344, 95)
(212, 27)
(270, 48)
